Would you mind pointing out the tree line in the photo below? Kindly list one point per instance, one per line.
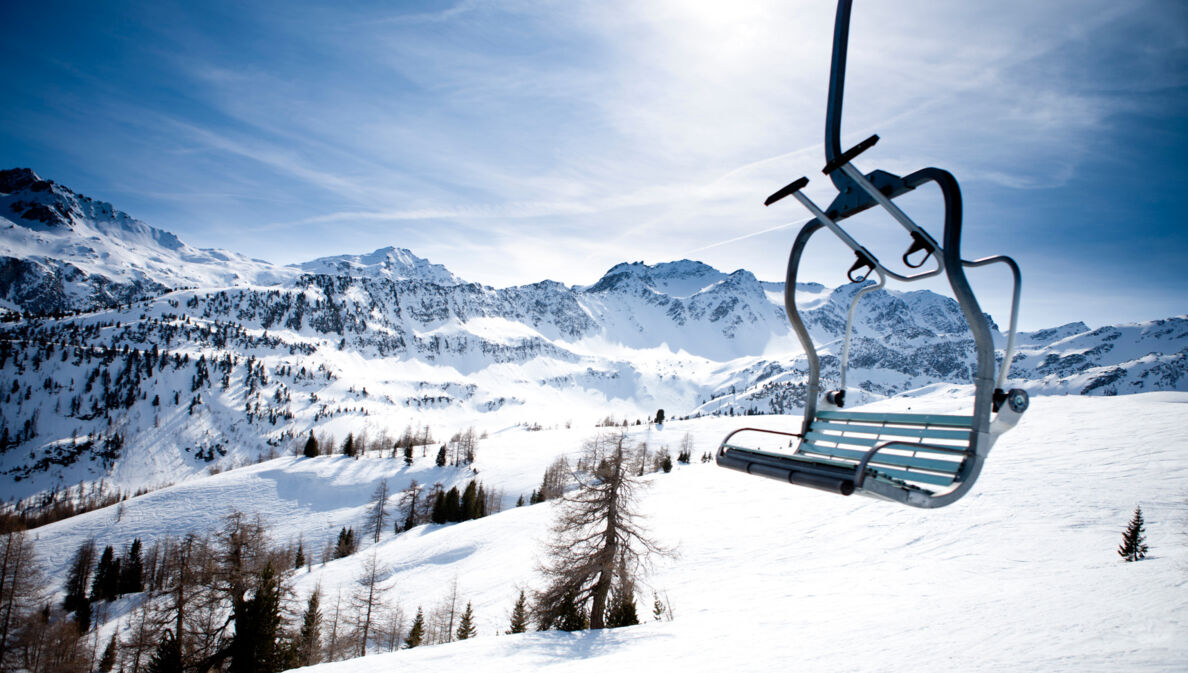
(224, 601)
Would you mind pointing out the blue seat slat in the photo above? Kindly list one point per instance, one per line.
(870, 442)
(903, 419)
(884, 458)
(902, 475)
(838, 439)
(893, 430)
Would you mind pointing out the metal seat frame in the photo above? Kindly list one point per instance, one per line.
(994, 411)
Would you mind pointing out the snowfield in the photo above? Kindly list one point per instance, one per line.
(1020, 575)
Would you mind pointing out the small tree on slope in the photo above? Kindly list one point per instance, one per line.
(378, 515)
(466, 627)
(417, 633)
(519, 616)
(308, 642)
(1133, 547)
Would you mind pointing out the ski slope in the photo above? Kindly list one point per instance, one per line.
(1021, 574)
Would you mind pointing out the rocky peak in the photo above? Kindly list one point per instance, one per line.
(390, 262)
(682, 278)
(17, 179)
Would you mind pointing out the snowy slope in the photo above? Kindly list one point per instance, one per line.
(1019, 575)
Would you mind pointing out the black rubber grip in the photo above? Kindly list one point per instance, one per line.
(848, 156)
(918, 243)
(863, 261)
(787, 190)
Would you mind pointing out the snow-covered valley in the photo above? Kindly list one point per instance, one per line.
(158, 389)
(1022, 574)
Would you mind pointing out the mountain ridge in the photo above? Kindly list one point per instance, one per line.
(154, 382)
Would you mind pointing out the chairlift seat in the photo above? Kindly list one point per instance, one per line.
(849, 451)
(921, 460)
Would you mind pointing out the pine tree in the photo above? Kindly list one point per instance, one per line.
(519, 616)
(439, 508)
(76, 585)
(568, 616)
(658, 608)
(470, 502)
(453, 505)
(346, 544)
(309, 639)
(621, 611)
(107, 661)
(111, 583)
(417, 633)
(311, 447)
(441, 456)
(466, 627)
(102, 571)
(132, 570)
(1133, 547)
(348, 446)
(167, 657)
(255, 647)
(408, 454)
(299, 560)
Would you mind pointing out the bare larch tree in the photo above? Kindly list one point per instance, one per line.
(597, 537)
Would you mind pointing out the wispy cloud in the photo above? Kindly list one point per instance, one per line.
(561, 138)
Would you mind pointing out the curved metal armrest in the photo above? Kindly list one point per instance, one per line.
(770, 432)
(860, 477)
(1009, 352)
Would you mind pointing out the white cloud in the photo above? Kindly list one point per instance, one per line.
(515, 140)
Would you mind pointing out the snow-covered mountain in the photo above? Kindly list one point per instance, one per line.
(153, 384)
(62, 251)
(390, 263)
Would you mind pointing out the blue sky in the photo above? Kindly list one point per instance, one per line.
(522, 140)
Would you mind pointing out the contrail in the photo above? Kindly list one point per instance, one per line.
(743, 237)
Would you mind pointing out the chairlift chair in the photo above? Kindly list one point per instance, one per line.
(921, 460)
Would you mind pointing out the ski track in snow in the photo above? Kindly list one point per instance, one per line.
(1020, 575)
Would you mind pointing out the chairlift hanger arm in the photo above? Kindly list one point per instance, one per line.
(837, 85)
